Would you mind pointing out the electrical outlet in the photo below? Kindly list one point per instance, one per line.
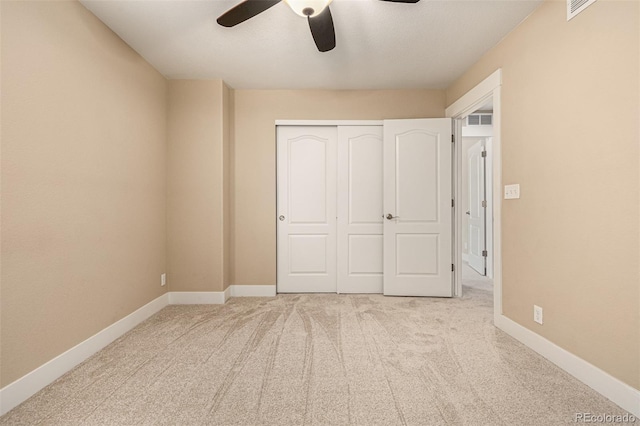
(163, 280)
(537, 314)
(512, 192)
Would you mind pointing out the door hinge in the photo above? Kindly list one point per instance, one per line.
(484, 203)
(453, 204)
(484, 153)
(453, 268)
(484, 253)
(453, 138)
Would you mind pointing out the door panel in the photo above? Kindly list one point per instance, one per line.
(417, 254)
(308, 180)
(307, 254)
(477, 225)
(417, 162)
(306, 209)
(417, 196)
(364, 169)
(360, 246)
(365, 256)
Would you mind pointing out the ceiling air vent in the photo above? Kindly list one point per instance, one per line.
(576, 6)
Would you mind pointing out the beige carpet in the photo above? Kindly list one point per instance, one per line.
(471, 278)
(316, 359)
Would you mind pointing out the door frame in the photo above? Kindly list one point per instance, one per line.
(489, 88)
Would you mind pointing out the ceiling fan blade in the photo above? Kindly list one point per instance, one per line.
(245, 10)
(322, 30)
(403, 1)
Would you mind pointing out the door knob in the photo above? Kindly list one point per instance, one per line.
(469, 213)
(281, 218)
(390, 216)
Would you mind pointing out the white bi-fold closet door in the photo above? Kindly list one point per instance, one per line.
(365, 209)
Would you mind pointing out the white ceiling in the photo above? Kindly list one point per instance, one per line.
(380, 45)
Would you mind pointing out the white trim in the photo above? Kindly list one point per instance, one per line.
(199, 297)
(488, 146)
(22, 389)
(468, 102)
(465, 257)
(489, 88)
(253, 290)
(329, 122)
(458, 219)
(496, 166)
(617, 391)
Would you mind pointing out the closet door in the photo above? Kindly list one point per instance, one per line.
(360, 209)
(418, 212)
(306, 209)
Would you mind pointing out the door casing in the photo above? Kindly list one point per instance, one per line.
(488, 89)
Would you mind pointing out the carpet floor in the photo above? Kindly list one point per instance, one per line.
(316, 359)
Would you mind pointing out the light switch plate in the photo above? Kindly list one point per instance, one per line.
(512, 192)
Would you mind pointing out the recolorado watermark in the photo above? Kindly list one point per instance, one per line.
(604, 418)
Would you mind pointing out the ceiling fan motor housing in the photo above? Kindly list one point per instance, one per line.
(308, 8)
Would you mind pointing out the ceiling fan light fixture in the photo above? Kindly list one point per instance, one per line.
(308, 8)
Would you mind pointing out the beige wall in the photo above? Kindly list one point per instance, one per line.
(570, 138)
(83, 181)
(254, 229)
(196, 190)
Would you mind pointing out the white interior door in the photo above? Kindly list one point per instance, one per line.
(360, 264)
(417, 208)
(306, 211)
(477, 208)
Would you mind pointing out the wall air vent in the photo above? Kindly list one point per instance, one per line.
(576, 6)
(479, 120)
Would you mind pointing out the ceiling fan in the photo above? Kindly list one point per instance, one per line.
(316, 11)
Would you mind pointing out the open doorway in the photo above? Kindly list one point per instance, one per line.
(476, 198)
(483, 97)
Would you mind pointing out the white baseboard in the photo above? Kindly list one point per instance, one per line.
(253, 290)
(22, 389)
(199, 297)
(220, 297)
(617, 391)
